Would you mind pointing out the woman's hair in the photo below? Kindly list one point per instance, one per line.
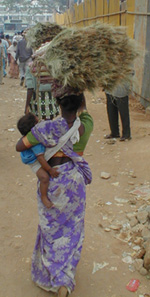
(26, 122)
(71, 103)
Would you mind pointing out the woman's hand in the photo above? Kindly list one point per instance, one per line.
(53, 172)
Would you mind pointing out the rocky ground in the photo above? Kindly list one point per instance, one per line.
(117, 229)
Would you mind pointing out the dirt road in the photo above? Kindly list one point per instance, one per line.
(101, 271)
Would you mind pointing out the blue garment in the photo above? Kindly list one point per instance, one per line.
(29, 156)
(4, 57)
(4, 67)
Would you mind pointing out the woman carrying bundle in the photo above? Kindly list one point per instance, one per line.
(39, 99)
(61, 229)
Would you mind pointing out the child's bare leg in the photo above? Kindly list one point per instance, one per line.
(44, 182)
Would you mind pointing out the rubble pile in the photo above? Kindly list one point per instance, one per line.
(134, 230)
(140, 236)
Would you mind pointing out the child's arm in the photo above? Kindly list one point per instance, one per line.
(52, 171)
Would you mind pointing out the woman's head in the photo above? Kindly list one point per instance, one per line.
(14, 42)
(71, 103)
(26, 123)
(69, 98)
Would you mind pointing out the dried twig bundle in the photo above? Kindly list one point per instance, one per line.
(99, 55)
(41, 33)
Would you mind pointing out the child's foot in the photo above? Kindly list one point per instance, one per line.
(46, 202)
(63, 292)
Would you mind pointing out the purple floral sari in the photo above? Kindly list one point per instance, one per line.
(61, 228)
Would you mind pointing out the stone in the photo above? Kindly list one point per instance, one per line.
(136, 248)
(148, 210)
(146, 233)
(143, 271)
(121, 200)
(131, 215)
(133, 222)
(142, 216)
(105, 175)
(140, 254)
(111, 141)
(115, 227)
(138, 240)
(138, 228)
(128, 260)
(138, 264)
(107, 230)
(132, 200)
(130, 183)
(147, 244)
(147, 258)
(148, 110)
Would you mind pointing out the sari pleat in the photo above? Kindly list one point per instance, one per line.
(61, 231)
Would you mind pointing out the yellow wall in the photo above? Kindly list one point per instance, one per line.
(130, 19)
(114, 7)
(81, 14)
(100, 10)
(108, 11)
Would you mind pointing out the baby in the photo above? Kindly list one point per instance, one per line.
(34, 153)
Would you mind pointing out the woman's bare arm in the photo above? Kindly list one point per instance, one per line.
(22, 144)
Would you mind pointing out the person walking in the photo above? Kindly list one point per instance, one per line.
(118, 104)
(61, 228)
(14, 68)
(1, 62)
(9, 42)
(45, 106)
(5, 46)
(23, 54)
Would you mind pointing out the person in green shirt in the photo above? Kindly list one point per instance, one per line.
(61, 228)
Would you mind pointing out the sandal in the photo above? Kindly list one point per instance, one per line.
(125, 138)
(109, 136)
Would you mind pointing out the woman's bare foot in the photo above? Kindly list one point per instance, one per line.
(63, 292)
(46, 202)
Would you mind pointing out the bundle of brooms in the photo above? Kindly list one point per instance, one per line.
(96, 56)
(41, 33)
